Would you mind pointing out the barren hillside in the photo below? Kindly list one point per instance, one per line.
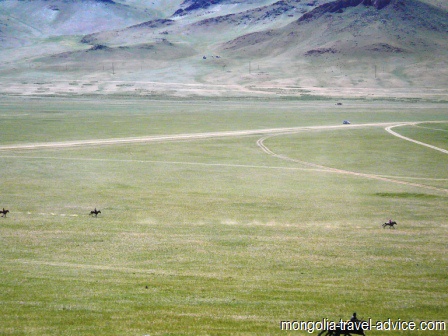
(287, 47)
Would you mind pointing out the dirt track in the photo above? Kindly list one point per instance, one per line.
(267, 134)
(265, 149)
(180, 137)
(389, 129)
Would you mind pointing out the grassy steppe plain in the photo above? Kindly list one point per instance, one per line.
(215, 236)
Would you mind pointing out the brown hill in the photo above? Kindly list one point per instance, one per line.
(352, 43)
(264, 46)
(161, 50)
(351, 27)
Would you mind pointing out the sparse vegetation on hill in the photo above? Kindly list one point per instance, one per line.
(369, 44)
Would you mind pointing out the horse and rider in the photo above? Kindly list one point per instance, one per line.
(4, 212)
(390, 224)
(95, 212)
(353, 327)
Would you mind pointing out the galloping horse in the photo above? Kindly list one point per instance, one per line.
(95, 212)
(4, 212)
(390, 224)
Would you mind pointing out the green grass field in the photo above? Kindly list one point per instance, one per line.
(215, 236)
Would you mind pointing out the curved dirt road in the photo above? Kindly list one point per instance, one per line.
(266, 132)
(177, 137)
(389, 129)
(264, 148)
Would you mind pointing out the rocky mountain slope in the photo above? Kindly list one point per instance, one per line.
(377, 44)
(353, 27)
(22, 22)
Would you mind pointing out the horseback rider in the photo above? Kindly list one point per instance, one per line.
(354, 318)
(95, 212)
(4, 212)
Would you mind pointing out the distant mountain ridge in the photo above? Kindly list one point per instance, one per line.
(23, 21)
(299, 42)
(339, 5)
(394, 16)
(191, 5)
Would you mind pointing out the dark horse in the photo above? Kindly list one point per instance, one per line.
(4, 212)
(95, 212)
(390, 224)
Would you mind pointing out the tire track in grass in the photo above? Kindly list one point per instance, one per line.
(174, 137)
(191, 163)
(264, 148)
(260, 143)
(184, 163)
(389, 129)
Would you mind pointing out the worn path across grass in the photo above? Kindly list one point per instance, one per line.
(161, 138)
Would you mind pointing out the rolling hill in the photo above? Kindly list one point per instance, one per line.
(351, 28)
(25, 21)
(401, 41)
(263, 47)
